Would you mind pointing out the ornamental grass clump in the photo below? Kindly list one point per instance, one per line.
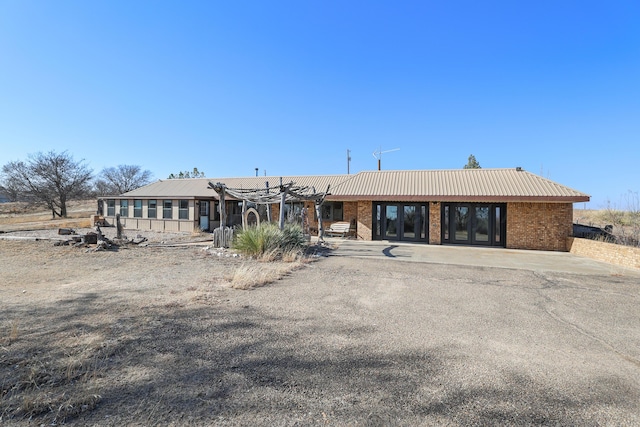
(269, 242)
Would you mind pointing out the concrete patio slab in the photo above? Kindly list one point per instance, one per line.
(479, 256)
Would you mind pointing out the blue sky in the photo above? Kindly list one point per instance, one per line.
(289, 86)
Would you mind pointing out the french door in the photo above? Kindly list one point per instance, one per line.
(400, 221)
(474, 223)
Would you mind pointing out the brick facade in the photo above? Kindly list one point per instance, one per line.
(435, 229)
(365, 220)
(349, 214)
(539, 226)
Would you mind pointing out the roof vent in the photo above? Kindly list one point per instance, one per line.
(519, 169)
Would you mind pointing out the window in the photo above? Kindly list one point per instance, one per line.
(183, 209)
(293, 211)
(137, 208)
(124, 208)
(166, 209)
(332, 211)
(445, 223)
(152, 206)
(111, 207)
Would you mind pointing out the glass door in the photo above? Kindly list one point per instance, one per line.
(461, 223)
(480, 225)
(409, 226)
(399, 221)
(474, 223)
(391, 222)
(204, 215)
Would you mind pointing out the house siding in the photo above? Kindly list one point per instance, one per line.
(539, 226)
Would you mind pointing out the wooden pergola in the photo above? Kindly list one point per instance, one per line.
(267, 196)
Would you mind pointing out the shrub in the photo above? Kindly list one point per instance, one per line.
(267, 240)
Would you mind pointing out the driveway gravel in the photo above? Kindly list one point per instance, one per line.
(344, 341)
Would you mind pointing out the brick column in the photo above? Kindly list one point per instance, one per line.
(435, 229)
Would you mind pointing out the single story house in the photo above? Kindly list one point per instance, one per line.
(509, 208)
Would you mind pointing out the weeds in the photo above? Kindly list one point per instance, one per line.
(249, 276)
(626, 223)
(52, 385)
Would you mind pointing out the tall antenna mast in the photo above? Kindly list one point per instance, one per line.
(348, 160)
(378, 154)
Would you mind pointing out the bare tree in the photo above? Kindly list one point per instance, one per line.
(121, 179)
(50, 178)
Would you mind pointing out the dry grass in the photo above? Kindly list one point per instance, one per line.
(52, 384)
(20, 215)
(249, 276)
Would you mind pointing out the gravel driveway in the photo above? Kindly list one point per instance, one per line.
(344, 341)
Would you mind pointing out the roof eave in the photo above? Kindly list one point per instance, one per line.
(485, 199)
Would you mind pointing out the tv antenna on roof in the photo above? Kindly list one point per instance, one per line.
(378, 154)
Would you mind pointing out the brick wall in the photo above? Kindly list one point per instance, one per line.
(349, 214)
(435, 229)
(625, 256)
(365, 219)
(539, 226)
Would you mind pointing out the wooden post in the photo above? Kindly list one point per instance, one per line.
(268, 204)
(118, 227)
(319, 215)
(222, 206)
(244, 211)
(283, 199)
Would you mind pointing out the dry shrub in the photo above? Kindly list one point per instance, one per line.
(249, 276)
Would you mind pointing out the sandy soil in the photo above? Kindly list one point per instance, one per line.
(155, 336)
(72, 320)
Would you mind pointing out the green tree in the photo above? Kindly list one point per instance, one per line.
(50, 178)
(472, 163)
(186, 174)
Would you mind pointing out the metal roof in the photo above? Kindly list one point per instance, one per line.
(487, 185)
(199, 187)
(455, 185)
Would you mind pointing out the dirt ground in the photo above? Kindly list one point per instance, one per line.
(155, 336)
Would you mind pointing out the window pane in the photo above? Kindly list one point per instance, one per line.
(166, 209)
(498, 225)
(137, 208)
(111, 207)
(423, 223)
(183, 209)
(124, 208)
(481, 230)
(462, 222)
(326, 211)
(152, 209)
(378, 220)
(409, 222)
(337, 211)
(446, 223)
(391, 213)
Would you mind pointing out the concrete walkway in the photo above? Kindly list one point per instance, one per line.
(478, 256)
